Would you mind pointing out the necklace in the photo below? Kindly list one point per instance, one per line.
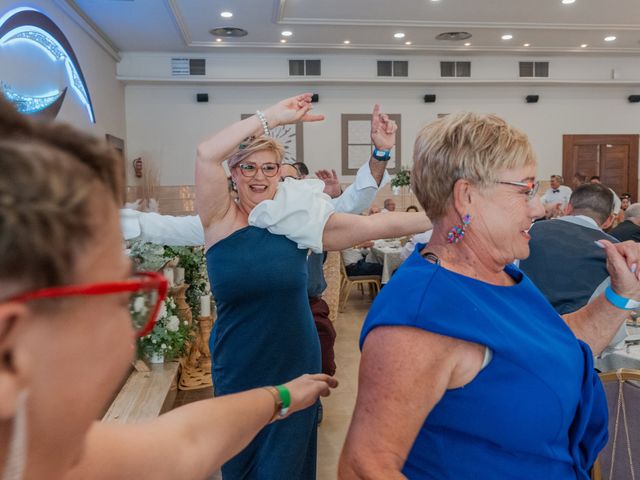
(431, 257)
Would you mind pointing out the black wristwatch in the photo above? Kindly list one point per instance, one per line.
(382, 155)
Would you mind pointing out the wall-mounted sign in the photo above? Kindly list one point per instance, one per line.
(28, 25)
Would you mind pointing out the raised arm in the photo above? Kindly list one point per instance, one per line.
(343, 230)
(213, 200)
(597, 322)
(190, 442)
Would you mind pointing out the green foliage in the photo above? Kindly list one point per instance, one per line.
(169, 335)
(192, 260)
(402, 178)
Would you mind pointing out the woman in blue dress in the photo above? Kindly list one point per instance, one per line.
(467, 372)
(264, 333)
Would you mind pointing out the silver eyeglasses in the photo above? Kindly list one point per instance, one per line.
(531, 186)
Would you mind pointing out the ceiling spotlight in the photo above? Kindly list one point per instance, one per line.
(526, 44)
(218, 39)
(283, 40)
(347, 42)
(468, 44)
(398, 35)
(507, 36)
(287, 33)
(568, 2)
(226, 14)
(610, 38)
(584, 45)
(407, 43)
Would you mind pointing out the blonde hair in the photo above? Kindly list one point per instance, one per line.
(256, 145)
(465, 145)
(50, 174)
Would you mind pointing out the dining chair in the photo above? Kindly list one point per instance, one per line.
(347, 282)
(619, 460)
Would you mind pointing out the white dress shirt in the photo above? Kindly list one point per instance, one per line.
(559, 195)
(188, 230)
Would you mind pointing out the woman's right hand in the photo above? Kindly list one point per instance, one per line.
(291, 110)
(306, 389)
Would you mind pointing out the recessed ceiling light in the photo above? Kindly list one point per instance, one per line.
(468, 44)
(226, 14)
(584, 45)
(568, 2)
(347, 42)
(507, 36)
(398, 35)
(283, 41)
(526, 44)
(287, 33)
(218, 39)
(407, 43)
(610, 38)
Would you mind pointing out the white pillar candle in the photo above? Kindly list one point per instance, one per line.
(205, 306)
(179, 275)
(168, 274)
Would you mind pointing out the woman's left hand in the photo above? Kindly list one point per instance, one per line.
(291, 110)
(622, 263)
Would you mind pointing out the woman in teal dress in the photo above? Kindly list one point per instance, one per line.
(257, 245)
(467, 372)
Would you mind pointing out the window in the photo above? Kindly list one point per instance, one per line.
(455, 69)
(356, 143)
(304, 67)
(393, 68)
(534, 69)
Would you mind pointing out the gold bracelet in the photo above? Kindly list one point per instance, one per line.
(277, 403)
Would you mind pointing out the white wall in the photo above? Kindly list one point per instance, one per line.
(24, 67)
(165, 124)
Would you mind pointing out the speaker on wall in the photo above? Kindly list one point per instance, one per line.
(532, 98)
(202, 97)
(315, 98)
(429, 98)
(634, 98)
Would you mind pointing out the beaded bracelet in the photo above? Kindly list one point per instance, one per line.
(263, 121)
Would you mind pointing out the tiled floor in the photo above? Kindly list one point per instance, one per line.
(339, 406)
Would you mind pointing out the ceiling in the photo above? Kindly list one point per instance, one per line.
(322, 26)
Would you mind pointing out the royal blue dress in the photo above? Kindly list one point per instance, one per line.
(264, 335)
(536, 411)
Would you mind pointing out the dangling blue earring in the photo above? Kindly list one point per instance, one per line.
(456, 234)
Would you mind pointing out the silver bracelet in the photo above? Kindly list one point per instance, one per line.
(263, 121)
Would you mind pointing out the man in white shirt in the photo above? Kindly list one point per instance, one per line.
(556, 198)
(388, 206)
(355, 261)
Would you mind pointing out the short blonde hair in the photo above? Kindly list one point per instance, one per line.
(464, 145)
(254, 145)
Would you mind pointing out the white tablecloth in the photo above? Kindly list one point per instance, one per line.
(387, 253)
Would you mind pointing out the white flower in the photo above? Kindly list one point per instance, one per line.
(138, 305)
(153, 340)
(173, 324)
(163, 346)
(185, 322)
(163, 311)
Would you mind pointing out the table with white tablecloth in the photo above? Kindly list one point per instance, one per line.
(388, 254)
(625, 355)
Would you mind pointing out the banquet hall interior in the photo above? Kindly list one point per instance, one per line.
(156, 77)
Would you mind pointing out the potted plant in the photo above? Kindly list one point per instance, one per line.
(167, 340)
(402, 179)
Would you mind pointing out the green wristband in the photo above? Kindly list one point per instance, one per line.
(285, 397)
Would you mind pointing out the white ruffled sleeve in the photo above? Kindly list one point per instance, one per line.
(298, 211)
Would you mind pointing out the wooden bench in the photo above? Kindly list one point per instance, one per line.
(145, 395)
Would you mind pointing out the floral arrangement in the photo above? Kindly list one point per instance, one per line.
(402, 178)
(169, 335)
(152, 257)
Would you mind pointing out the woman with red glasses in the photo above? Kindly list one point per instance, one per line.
(66, 333)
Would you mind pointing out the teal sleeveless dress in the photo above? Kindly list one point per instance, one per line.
(536, 411)
(264, 335)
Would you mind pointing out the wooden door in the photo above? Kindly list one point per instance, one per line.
(614, 158)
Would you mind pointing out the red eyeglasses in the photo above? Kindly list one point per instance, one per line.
(148, 291)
